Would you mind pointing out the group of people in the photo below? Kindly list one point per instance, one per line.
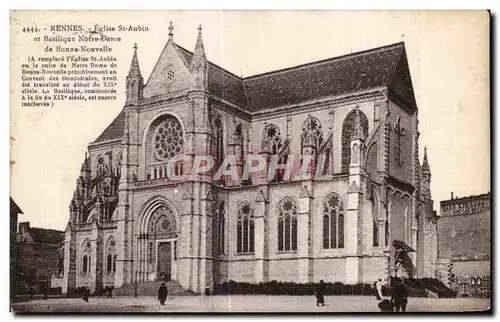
(399, 295)
(398, 301)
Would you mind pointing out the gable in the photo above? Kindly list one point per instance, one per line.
(401, 87)
(170, 73)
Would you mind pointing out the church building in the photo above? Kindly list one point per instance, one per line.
(130, 222)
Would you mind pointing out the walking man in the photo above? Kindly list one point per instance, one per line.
(162, 293)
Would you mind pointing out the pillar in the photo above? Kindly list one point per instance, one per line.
(185, 251)
(261, 203)
(303, 218)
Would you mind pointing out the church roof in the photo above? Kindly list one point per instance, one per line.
(114, 130)
(372, 68)
(385, 66)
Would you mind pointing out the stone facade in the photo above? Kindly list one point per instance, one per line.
(464, 238)
(357, 112)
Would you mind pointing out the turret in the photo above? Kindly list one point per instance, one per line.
(135, 82)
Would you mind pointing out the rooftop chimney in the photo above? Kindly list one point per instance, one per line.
(452, 195)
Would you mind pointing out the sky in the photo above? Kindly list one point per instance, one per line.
(448, 55)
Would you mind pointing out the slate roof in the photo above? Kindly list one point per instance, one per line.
(385, 66)
(114, 130)
(46, 236)
(335, 76)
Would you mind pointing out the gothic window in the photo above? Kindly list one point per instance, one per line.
(272, 139)
(220, 228)
(109, 263)
(311, 134)
(333, 222)
(111, 257)
(118, 166)
(287, 225)
(347, 131)
(167, 140)
(100, 165)
(86, 259)
(375, 214)
(219, 141)
(387, 227)
(85, 263)
(245, 229)
(398, 148)
(163, 224)
(375, 233)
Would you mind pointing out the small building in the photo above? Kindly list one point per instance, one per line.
(40, 250)
(464, 242)
(14, 212)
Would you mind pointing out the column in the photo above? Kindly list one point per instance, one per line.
(185, 254)
(260, 236)
(305, 200)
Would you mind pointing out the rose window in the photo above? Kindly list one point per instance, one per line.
(167, 139)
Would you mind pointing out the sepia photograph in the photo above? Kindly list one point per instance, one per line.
(250, 161)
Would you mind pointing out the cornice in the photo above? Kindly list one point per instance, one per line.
(315, 105)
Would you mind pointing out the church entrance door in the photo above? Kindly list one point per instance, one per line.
(165, 261)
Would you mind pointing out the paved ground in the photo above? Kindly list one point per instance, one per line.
(242, 303)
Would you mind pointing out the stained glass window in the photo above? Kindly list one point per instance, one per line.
(245, 229)
(287, 225)
(333, 222)
(167, 139)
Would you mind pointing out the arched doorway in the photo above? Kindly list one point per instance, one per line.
(158, 243)
(162, 231)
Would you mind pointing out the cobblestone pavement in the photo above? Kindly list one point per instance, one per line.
(242, 303)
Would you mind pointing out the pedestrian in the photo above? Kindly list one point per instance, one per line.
(110, 292)
(162, 293)
(207, 290)
(320, 294)
(378, 289)
(399, 294)
(86, 294)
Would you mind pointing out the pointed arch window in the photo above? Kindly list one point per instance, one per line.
(333, 222)
(100, 166)
(347, 132)
(86, 258)
(111, 255)
(386, 225)
(245, 229)
(375, 215)
(220, 227)
(287, 225)
(85, 264)
(219, 141)
(398, 148)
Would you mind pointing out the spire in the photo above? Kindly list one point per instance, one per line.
(134, 80)
(135, 71)
(171, 31)
(199, 64)
(426, 170)
(199, 50)
(358, 133)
